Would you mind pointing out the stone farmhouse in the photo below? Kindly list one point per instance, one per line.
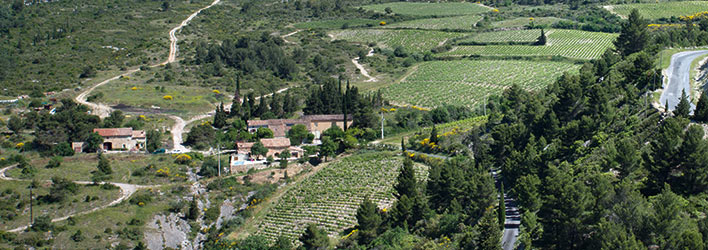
(316, 124)
(125, 139)
(274, 146)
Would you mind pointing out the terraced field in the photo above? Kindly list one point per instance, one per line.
(663, 9)
(430, 9)
(411, 40)
(467, 82)
(523, 21)
(452, 23)
(331, 197)
(566, 43)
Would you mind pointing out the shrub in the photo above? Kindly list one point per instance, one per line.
(55, 162)
(167, 97)
(42, 223)
(78, 236)
(183, 159)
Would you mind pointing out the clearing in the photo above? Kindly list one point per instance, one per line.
(661, 10)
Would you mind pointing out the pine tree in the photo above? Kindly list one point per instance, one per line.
(262, 108)
(368, 218)
(406, 182)
(634, 35)
(683, 108)
(314, 238)
(701, 112)
(276, 105)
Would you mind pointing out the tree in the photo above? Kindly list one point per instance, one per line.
(434, 135)
(328, 147)
(282, 243)
(115, 120)
(104, 166)
(61, 189)
(484, 235)
(165, 5)
(220, 117)
(526, 191)
(368, 218)
(298, 134)
(264, 133)
(541, 40)
(55, 162)
(701, 112)
(42, 223)
(258, 150)
(634, 35)
(683, 108)
(153, 140)
(403, 145)
(501, 211)
(15, 124)
(193, 212)
(314, 238)
(77, 236)
(94, 142)
(406, 182)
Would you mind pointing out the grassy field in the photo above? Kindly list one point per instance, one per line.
(523, 21)
(429, 9)
(331, 196)
(185, 99)
(411, 40)
(452, 23)
(663, 9)
(337, 24)
(461, 125)
(566, 43)
(72, 203)
(468, 82)
(126, 168)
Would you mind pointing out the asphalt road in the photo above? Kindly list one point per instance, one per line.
(678, 73)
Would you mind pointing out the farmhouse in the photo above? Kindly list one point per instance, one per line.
(122, 138)
(274, 145)
(316, 124)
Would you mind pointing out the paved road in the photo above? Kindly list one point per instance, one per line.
(512, 220)
(678, 73)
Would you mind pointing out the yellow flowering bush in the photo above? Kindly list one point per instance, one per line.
(167, 97)
(382, 23)
(183, 159)
(216, 91)
(495, 10)
(20, 145)
(141, 204)
(134, 88)
(163, 172)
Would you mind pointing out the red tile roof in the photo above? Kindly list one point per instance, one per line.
(139, 134)
(114, 132)
(281, 142)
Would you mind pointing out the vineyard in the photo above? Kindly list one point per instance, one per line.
(451, 23)
(429, 9)
(467, 82)
(566, 43)
(337, 24)
(523, 21)
(505, 36)
(331, 197)
(411, 40)
(662, 10)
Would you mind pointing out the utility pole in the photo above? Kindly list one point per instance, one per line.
(382, 125)
(31, 212)
(218, 153)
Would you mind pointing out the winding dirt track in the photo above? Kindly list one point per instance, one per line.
(126, 190)
(103, 110)
(361, 68)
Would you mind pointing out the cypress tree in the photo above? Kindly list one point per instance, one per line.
(541, 40)
(193, 212)
(236, 102)
(220, 117)
(406, 184)
(434, 135)
(403, 145)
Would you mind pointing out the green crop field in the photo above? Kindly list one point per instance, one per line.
(337, 24)
(411, 40)
(331, 197)
(429, 9)
(467, 82)
(664, 9)
(523, 21)
(567, 43)
(453, 23)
